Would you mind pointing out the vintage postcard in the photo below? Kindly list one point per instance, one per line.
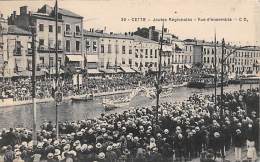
(129, 80)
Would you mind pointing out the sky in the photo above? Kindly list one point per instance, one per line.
(108, 14)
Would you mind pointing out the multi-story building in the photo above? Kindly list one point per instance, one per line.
(70, 35)
(15, 50)
(111, 53)
(146, 54)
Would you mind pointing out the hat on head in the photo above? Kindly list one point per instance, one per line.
(109, 148)
(98, 145)
(101, 155)
(56, 152)
(50, 155)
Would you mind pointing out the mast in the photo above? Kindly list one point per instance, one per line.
(215, 68)
(56, 65)
(158, 88)
(32, 25)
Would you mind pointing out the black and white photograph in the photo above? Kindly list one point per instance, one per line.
(129, 80)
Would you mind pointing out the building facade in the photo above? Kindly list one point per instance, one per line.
(70, 35)
(15, 50)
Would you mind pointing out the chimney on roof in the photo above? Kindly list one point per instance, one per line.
(152, 27)
(14, 13)
(125, 33)
(23, 10)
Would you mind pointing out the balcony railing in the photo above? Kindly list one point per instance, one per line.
(77, 34)
(46, 49)
(68, 33)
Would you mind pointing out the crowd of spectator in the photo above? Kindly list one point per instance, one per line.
(20, 88)
(196, 128)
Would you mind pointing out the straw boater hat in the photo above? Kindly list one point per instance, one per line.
(98, 145)
(56, 143)
(72, 152)
(79, 133)
(84, 147)
(76, 143)
(39, 145)
(90, 147)
(101, 155)
(216, 134)
(50, 155)
(109, 148)
(77, 148)
(56, 152)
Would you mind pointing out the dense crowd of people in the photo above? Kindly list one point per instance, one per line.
(196, 128)
(20, 88)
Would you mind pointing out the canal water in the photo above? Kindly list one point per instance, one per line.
(21, 116)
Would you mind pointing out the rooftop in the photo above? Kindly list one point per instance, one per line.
(49, 10)
(12, 29)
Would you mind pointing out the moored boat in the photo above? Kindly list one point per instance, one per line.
(86, 98)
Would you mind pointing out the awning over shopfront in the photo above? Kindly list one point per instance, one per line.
(136, 69)
(166, 48)
(75, 58)
(187, 66)
(29, 73)
(179, 45)
(92, 58)
(127, 69)
(93, 71)
(53, 71)
(108, 71)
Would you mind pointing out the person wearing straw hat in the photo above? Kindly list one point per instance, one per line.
(9, 155)
(110, 154)
(238, 143)
(101, 157)
(50, 157)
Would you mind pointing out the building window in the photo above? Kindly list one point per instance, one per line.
(41, 42)
(67, 28)
(18, 48)
(77, 28)
(67, 45)
(130, 62)
(136, 53)
(155, 53)
(190, 48)
(146, 53)
(87, 45)
(109, 49)
(130, 49)
(151, 53)
(102, 48)
(42, 60)
(77, 46)
(123, 49)
(59, 44)
(41, 27)
(59, 29)
(94, 46)
(155, 64)
(51, 62)
(50, 28)
(123, 61)
(116, 48)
